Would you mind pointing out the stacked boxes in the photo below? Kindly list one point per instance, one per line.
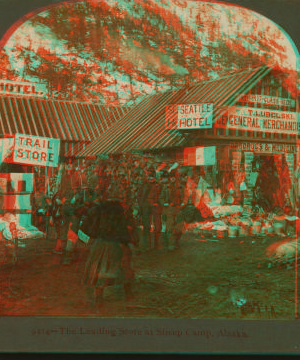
(16, 191)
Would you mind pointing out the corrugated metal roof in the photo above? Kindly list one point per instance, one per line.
(64, 120)
(143, 127)
(115, 114)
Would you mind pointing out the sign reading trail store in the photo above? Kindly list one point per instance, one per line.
(189, 116)
(36, 150)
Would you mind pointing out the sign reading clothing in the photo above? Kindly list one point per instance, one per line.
(189, 116)
(252, 119)
(36, 151)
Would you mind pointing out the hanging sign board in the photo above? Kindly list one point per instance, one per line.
(16, 88)
(36, 150)
(189, 116)
(252, 119)
(264, 147)
(200, 156)
(267, 100)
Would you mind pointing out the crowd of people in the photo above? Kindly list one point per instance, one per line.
(119, 206)
(123, 204)
(153, 195)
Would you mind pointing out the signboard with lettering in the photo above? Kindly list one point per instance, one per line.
(261, 120)
(189, 116)
(36, 151)
(200, 155)
(264, 147)
(18, 88)
(267, 100)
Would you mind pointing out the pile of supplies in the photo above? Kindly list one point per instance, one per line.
(11, 230)
(239, 221)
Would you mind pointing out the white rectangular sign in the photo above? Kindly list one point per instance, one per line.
(36, 151)
(261, 120)
(267, 100)
(189, 116)
(18, 88)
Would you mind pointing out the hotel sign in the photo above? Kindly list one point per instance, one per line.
(22, 88)
(252, 119)
(189, 116)
(267, 100)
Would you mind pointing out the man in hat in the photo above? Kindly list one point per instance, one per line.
(189, 211)
(172, 195)
(151, 210)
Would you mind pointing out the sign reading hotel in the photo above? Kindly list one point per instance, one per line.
(22, 88)
(189, 116)
(36, 151)
(252, 119)
(267, 100)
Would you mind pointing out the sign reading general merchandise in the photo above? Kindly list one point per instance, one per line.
(189, 116)
(18, 88)
(36, 151)
(252, 119)
(267, 100)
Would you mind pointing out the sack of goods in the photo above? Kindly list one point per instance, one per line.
(283, 252)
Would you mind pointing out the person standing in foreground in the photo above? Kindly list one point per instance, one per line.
(109, 261)
(58, 220)
(170, 212)
(151, 210)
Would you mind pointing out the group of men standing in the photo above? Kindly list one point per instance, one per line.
(159, 203)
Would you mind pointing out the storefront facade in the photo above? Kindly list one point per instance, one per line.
(255, 140)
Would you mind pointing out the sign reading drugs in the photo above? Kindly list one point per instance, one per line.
(269, 148)
(189, 116)
(36, 151)
(252, 119)
(267, 100)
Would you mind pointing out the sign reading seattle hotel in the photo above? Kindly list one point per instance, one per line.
(189, 116)
(252, 119)
(18, 88)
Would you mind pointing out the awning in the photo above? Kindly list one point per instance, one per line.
(143, 127)
(64, 120)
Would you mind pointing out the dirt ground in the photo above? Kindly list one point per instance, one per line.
(205, 279)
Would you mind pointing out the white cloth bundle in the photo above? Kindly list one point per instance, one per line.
(283, 251)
